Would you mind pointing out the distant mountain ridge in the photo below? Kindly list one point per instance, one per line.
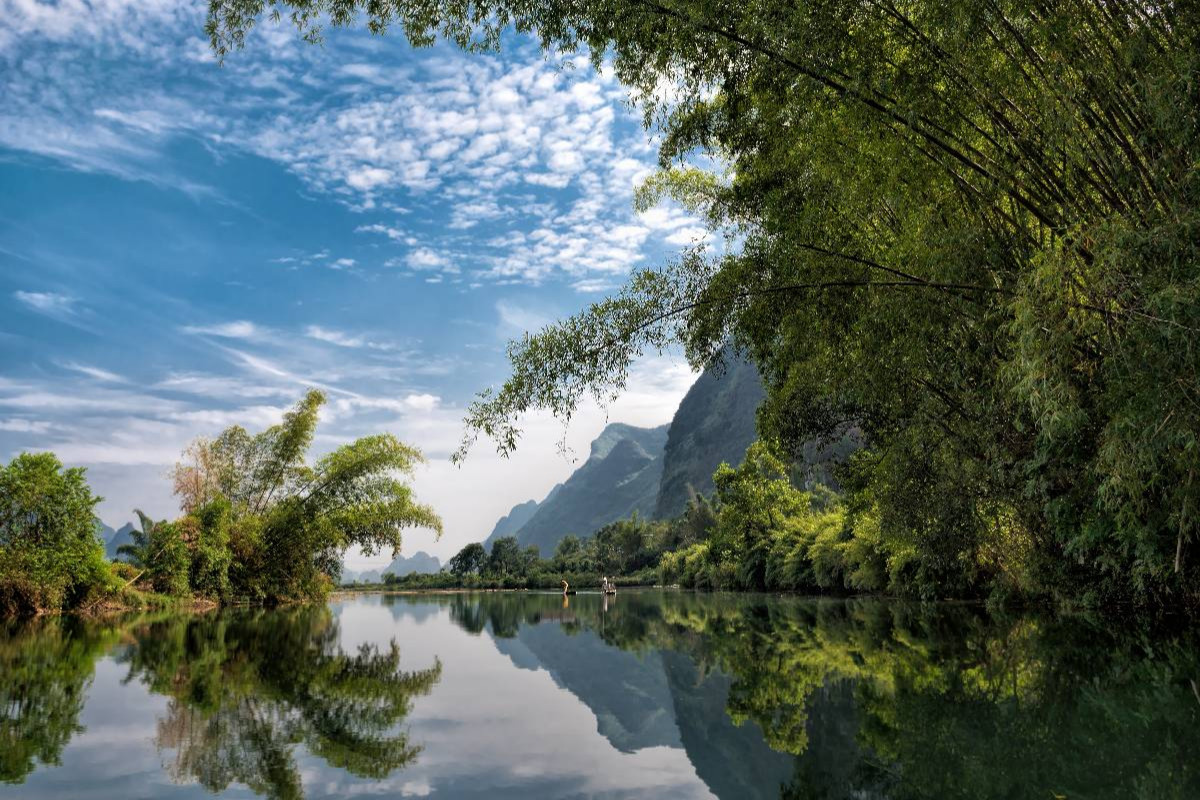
(104, 531)
(714, 423)
(651, 471)
(419, 561)
(620, 476)
(514, 520)
(121, 536)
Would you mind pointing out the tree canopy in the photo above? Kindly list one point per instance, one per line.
(50, 555)
(285, 523)
(968, 228)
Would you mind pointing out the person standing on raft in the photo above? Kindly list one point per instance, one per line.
(565, 585)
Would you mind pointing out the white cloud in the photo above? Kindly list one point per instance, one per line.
(219, 386)
(422, 402)
(689, 236)
(51, 304)
(240, 329)
(368, 178)
(333, 337)
(414, 402)
(94, 372)
(18, 425)
(424, 258)
(395, 234)
(216, 420)
(128, 23)
(515, 319)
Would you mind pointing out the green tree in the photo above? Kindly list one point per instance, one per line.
(289, 523)
(531, 559)
(569, 554)
(967, 228)
(159, 550)
(50, 557)
(505, 558)
(471, 560)
(207, 530)
(757, 502)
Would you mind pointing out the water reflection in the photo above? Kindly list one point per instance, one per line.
(45, 669)
(872, 699)
(756, 697)
(244, 687)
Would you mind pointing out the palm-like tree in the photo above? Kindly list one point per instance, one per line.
(138, 550)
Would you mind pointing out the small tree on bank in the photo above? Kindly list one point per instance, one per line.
(50, 556)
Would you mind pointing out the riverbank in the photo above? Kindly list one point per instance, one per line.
(538, 580)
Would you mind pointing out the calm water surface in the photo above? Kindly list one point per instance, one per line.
(650, 694)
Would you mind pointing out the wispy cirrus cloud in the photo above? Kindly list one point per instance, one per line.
(94, 372)
(343, 339)
(52, 304)
(238, 329)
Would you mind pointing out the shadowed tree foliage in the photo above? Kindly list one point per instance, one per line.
(968, 228)
(471, 560)
(246, 688)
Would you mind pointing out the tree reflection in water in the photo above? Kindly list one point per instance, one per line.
(878, 699)
(247, 687)
(46, 666)
(768, 697)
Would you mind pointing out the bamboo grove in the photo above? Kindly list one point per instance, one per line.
(967, 229)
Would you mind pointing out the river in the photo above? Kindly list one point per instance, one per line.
(646, 694)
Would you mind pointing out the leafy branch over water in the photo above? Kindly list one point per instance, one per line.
(968, 228)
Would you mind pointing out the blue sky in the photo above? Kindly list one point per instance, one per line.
(185, 246)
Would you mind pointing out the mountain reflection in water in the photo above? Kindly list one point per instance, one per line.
(657, 694)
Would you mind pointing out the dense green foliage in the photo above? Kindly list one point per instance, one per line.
(259, 523)
(160, 552)
(627, 551)
(265, 526)
(767, 535)
(50, 555)
(968, 228)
